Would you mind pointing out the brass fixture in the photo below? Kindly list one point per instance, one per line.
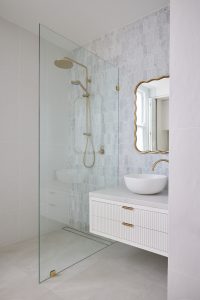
(117, 88)
(128, 207)
(127, 224)
(53, 273)
(63, 63)
(135, 117)
(101, 150)
(67, 63)
(77, 82)
(157, 162)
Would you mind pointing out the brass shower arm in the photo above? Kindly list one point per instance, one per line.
(78, 63)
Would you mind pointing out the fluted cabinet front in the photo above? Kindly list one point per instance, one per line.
(142, 227)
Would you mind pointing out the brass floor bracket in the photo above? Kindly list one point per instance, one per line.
(53, 273)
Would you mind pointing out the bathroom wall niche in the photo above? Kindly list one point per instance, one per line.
(151, 117)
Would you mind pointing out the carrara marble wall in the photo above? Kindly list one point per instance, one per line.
(141, 50)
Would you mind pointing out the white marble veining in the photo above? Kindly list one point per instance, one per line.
(141, 51)
(121, 194)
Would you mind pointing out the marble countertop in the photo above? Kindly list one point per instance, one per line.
(122, 194)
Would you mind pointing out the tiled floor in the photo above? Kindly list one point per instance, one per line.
(65, 247)
(119, 272)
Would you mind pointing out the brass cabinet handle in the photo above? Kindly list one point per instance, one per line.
(128, 207)
(127, 224)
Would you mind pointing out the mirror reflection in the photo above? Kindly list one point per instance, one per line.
(152, 116)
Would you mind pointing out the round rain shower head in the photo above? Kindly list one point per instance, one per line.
(63, 63)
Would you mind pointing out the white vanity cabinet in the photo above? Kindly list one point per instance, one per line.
(132, 219)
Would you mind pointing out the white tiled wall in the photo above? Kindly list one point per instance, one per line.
(18, 133)
(184, 208)
(141, 51)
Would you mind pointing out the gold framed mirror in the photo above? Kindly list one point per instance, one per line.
(151, 116)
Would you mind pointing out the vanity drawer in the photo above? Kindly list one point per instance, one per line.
(151, 219)
(128, 213)
(112, 211)
(126, 232)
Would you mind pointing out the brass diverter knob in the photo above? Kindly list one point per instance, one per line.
(101, 150)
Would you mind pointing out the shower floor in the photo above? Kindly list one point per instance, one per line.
(62, 249)
(115, 273)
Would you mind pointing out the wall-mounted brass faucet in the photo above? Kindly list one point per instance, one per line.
(157, 162)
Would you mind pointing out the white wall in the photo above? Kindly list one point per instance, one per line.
(184, 206)
(18, 133)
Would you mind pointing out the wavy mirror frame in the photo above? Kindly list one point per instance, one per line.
(135, 118)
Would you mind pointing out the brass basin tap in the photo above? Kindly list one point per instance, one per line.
(157, 162)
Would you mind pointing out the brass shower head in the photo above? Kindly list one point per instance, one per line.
(63, 63)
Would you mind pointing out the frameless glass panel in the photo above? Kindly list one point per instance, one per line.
(78, 148)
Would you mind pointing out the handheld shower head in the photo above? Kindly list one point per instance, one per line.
(75, 82)
(67, 63)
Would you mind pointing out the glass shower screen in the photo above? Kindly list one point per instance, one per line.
(78, 148)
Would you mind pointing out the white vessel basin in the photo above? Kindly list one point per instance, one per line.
(145, 184)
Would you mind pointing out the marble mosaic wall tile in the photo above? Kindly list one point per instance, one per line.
(141, 51)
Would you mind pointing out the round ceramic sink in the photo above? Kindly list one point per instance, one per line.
(145, 184)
